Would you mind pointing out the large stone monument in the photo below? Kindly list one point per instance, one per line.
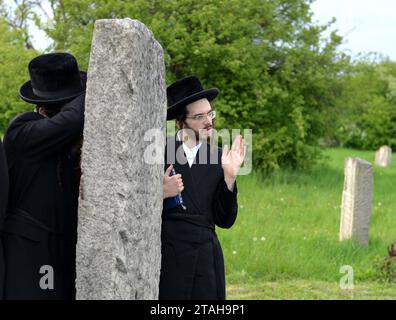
(119, 248)
(356, 200)
(383, 156)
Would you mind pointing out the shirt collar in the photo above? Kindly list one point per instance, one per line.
(187, 148)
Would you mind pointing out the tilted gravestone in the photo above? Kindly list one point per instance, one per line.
(383, 156)
(356, 200)
(119, 248)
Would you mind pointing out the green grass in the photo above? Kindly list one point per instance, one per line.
(310, 290)
(288, 226)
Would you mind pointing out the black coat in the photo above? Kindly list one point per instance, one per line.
(3, 205)
(3, 184)
(41, 222)
(192, 259)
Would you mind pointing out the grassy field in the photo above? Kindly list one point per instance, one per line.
(285, 244)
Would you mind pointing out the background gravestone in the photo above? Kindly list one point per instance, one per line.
(119, 248)
(383, 156)
(356, 200)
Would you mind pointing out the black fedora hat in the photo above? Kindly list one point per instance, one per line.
(185, 91)
(54, 78)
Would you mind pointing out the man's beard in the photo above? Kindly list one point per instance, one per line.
(203, 137)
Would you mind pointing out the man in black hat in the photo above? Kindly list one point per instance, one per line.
(40, 229)
(192, 258)
(3, 205)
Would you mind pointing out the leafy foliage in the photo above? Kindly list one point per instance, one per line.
(366, 116)
(275, 70)
(13, 71)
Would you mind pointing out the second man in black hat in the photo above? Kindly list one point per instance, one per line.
(40, 228)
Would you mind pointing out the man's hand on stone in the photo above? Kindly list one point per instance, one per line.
(172, 185)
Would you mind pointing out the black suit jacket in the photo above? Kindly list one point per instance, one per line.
(41, 221)
(3, 184)
(192, 259)
(3, 205)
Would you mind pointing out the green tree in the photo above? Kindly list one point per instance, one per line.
(19, 16)
(13, 70)
(366, 116)
(276, 71)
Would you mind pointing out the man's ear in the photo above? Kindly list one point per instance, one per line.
(42, 111)
(179, 124)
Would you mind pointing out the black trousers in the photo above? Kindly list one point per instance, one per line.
(205, 281)
(191, 267)
(2, 267)
(27, 262)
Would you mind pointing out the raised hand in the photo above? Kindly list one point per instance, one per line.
(232, 160)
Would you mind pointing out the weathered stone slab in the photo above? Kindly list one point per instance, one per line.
(119, 248)
(383, 156)
(356, 200)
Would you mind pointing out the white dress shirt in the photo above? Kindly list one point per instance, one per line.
(190, 153)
